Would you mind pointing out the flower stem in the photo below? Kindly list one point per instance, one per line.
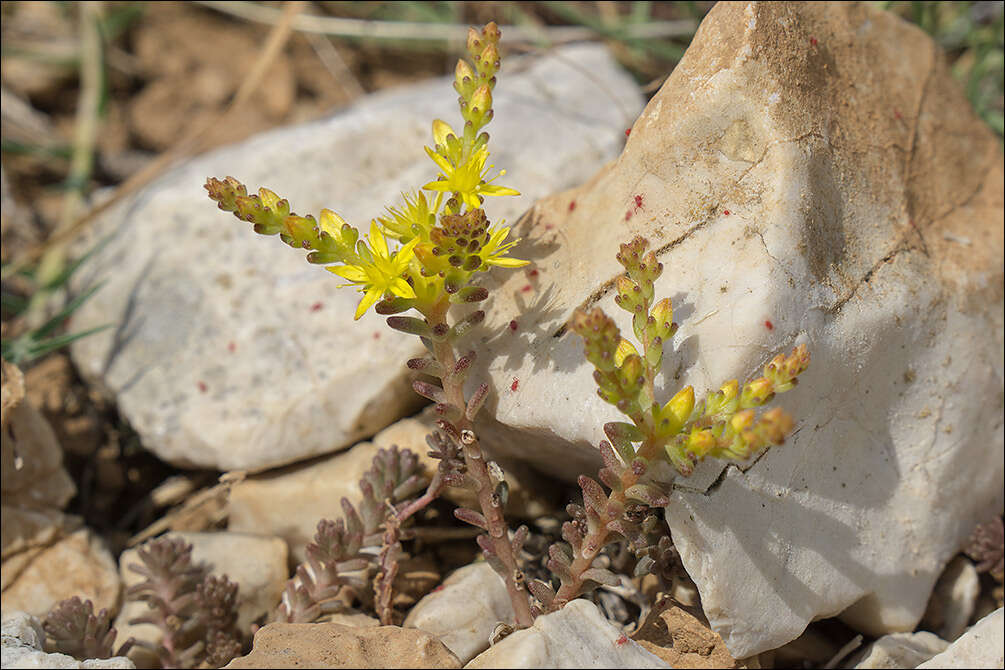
(616, 499)
(474, 460)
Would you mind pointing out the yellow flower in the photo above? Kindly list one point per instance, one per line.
(494, 251)
(467, 179)
(378, 272)
(415, 219)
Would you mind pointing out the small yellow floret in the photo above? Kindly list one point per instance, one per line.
(467, 179)
(381, 273)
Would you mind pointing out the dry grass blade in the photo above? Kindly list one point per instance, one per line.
(450, 32)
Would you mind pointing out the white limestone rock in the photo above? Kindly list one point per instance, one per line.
(23, 640)
(577, 636)
(898, 650)
(953, 600)
(78, 564)
(229, 350)
(464, 612)
(983, 646)
(798, 181)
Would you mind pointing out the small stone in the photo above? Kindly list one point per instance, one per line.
(289, 502)
(77, 565)
(983, 646)
(682, 639)
(464, 610)
(953, 599)
(332, 645)
(897, 650)
(577, 636)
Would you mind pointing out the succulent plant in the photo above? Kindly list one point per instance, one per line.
(682, 432)
(195, 611)
(73, 628)
(338, 556)
(987, 547)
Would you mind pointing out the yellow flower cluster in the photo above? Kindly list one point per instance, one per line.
(444, 240)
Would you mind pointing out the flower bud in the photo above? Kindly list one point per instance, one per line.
(269, 199)
(488, 61)
(481, 102)
(723, 401)
(491, 32)
(464, 79)
(475, 43)
(441, 129)
(624, 350)
(757, 392)
(679, 407)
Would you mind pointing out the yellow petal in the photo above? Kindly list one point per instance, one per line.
(401, 288)
(491, 189)
(377, 241)
(507, 262)
(371, 296)
(353, 273)
(442, 162)
(471, 200)
(438, 186)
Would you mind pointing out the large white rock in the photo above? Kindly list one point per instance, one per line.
(465, 610)
(810, 173)
(229, 350)
(983, 646)
(577, 636)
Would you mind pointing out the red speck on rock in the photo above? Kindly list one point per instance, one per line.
(813, 41)
(202, 387)
(621, 641)
(516, 383)
(316, 307)
(628, 132)
(376, 336)
(526, 288)
(572, 205)
(769, 325)
(638, 202)
(628, 215)
(725, 212)
(533, 273)
(231, 347)
(513, 325)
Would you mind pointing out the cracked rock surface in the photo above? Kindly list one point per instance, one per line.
(810, 173)
(226, 347)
